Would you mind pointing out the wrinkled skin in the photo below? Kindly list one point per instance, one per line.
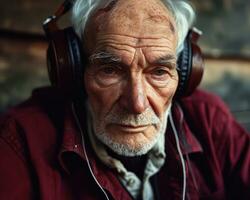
(140, 34)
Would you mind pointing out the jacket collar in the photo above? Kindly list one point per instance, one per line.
(188, 142)
(71, 139)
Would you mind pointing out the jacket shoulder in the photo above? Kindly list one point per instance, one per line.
(201, 98)
(207, 115)
(34, 120)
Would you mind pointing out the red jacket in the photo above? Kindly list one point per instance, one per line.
(41, 155)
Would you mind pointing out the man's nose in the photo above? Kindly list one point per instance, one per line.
(134, 97)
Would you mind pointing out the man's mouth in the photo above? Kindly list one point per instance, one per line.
(132, 128)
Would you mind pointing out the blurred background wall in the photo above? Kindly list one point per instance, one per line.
(225, 43)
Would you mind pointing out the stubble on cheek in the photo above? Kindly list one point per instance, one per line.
(126, 143)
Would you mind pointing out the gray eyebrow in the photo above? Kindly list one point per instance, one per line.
(169, 60)
(104, 57)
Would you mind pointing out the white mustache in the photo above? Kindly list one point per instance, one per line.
(148, 117)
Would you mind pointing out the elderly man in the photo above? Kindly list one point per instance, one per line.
(115, 141)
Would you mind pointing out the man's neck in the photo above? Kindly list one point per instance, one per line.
(134, 164)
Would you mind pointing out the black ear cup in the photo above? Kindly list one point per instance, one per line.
(76, 56)
(184, 65)
(65, 61)
(190, 65)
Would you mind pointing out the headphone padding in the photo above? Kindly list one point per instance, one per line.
(190, 66)
(184, 64)
(76, 56)
(64, 58)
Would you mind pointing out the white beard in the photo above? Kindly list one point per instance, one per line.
(145, 118)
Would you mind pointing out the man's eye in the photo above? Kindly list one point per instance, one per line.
(159, 72)
(108, 75)
(108, 70)
(158, 76)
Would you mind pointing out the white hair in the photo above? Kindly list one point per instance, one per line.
(182, 12)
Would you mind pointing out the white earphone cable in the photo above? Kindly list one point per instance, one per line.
(180, 153)
(84, 150)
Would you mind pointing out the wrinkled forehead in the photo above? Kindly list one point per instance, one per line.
(133, 15)
(144, 18)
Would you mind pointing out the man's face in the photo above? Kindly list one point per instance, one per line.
(132, 75)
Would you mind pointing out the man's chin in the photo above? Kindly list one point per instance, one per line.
(128, 150)
(129, 144)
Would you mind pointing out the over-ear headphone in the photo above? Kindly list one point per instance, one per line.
(66, 59)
